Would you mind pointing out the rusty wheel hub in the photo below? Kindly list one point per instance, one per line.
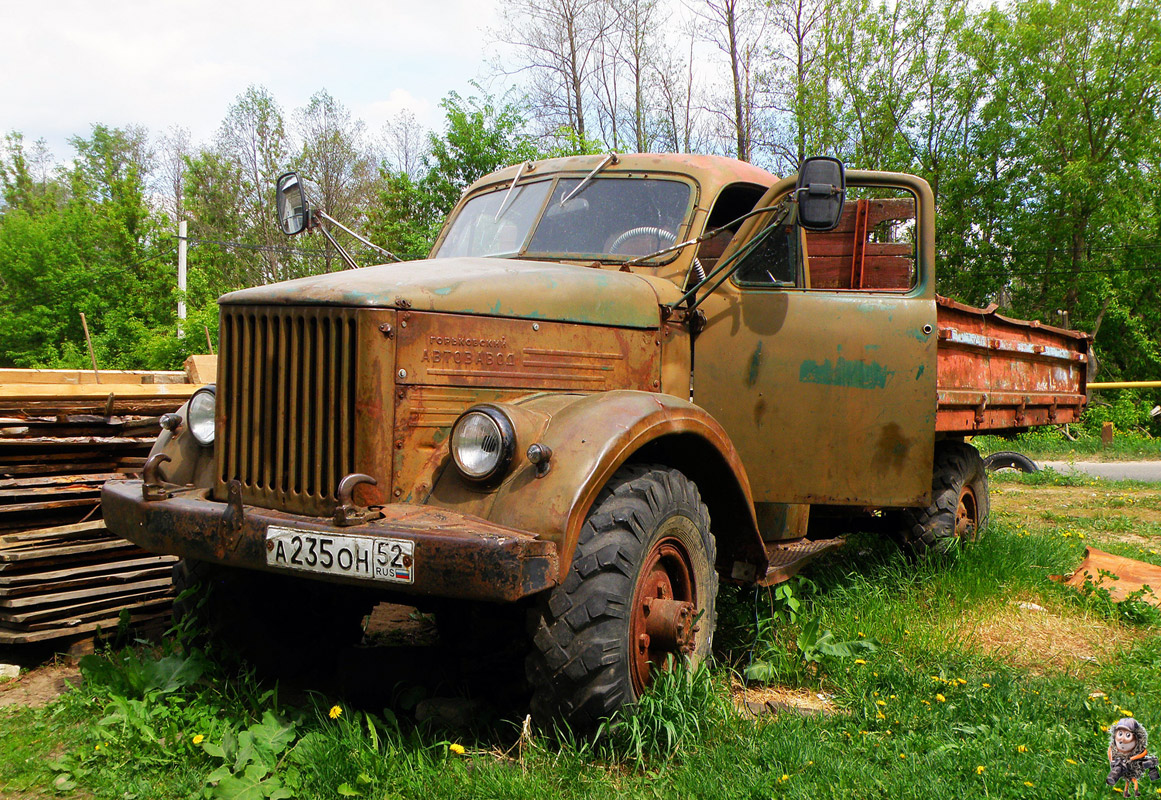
(966, 515)
(663, 612)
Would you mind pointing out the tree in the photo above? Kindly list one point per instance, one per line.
(254, 137)
(557, 43)
(333, 157)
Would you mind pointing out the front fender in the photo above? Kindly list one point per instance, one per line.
(591, 437)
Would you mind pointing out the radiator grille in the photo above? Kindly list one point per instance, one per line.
(286, 405)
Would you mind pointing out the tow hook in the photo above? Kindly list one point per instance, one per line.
(347, 513)
(152, 486)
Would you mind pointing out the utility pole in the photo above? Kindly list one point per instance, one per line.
(181, 246)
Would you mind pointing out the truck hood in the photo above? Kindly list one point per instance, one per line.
(496, 287)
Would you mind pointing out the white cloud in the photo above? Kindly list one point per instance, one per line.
(70, 64)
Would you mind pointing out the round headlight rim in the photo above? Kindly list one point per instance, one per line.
(210, 389)
(507, 444)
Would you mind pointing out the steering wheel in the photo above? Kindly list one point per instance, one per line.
(665, 237)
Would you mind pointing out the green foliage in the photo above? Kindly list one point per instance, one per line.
(1132, 609)
(681, 707)
(480, 137)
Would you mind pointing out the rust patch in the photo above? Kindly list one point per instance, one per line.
(454, 350)
(1129, 576)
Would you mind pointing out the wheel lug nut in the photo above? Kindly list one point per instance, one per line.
(643, 641)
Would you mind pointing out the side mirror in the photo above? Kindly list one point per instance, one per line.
(293, 206)
(820, 193)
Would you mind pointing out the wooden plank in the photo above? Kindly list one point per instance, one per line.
(7, 557)
(122, 578)
(46, 505)
(80, 612)
(49, 491)
(80, 456)
(56, 530)
(75, 377)
(146, 613)
(71, 393)
(143, 441)
(85, 570)
(57, 480)
(92, 593)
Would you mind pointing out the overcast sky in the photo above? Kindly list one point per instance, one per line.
(65, 65)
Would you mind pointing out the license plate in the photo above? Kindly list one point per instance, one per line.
(370, 557)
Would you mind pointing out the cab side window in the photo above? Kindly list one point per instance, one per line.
(872, 249)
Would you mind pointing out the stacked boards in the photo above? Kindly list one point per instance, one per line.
(63, 433)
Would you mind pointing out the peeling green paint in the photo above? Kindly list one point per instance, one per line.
(851, 374)
(919, 372)
(755, 365)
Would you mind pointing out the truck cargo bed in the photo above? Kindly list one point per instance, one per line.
(1001, 374)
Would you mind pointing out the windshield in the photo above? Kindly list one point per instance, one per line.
(609, 218)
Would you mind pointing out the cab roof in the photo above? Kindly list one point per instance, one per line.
(710, 172)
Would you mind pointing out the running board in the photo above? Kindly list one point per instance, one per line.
(789, 557)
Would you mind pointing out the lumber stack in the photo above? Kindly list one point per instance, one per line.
(63, 433)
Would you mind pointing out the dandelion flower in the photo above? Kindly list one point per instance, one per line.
(1126, 712)
(1070, 761)
(784, 778)
(96, 747)
(198, 739)
(1029, 784)
(980, 769)
(335, 712)
(1021, 749)
(902, 755)
(862, 635)
(860, 661)
(961, 681)
(880, 715)
(941, 698)
(458, 749)
(987, 685)
(880, 702)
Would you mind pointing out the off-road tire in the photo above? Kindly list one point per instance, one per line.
(1009, 459)
(959, 503)
(582, 666)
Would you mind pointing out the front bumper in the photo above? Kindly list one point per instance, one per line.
(456, 555)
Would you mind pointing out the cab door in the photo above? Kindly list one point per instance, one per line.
(818, 355)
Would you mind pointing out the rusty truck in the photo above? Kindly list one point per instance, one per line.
(617, 381)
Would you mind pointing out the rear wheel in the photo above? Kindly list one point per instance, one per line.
(640, 593)
(959, 507)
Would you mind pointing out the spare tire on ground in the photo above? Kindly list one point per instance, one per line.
(1009, 459)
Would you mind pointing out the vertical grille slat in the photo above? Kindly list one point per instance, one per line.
(288, 394)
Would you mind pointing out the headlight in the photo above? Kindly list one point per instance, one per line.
(482, 443)
(200, 415)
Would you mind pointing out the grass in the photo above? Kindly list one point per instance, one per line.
(1049, 444)
(937, 681)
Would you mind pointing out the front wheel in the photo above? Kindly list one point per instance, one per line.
(640, 593)
(959, 502)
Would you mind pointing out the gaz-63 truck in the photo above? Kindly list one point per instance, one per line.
(617, 381)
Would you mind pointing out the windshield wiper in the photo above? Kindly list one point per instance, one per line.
(611, 158)
(504, 205)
